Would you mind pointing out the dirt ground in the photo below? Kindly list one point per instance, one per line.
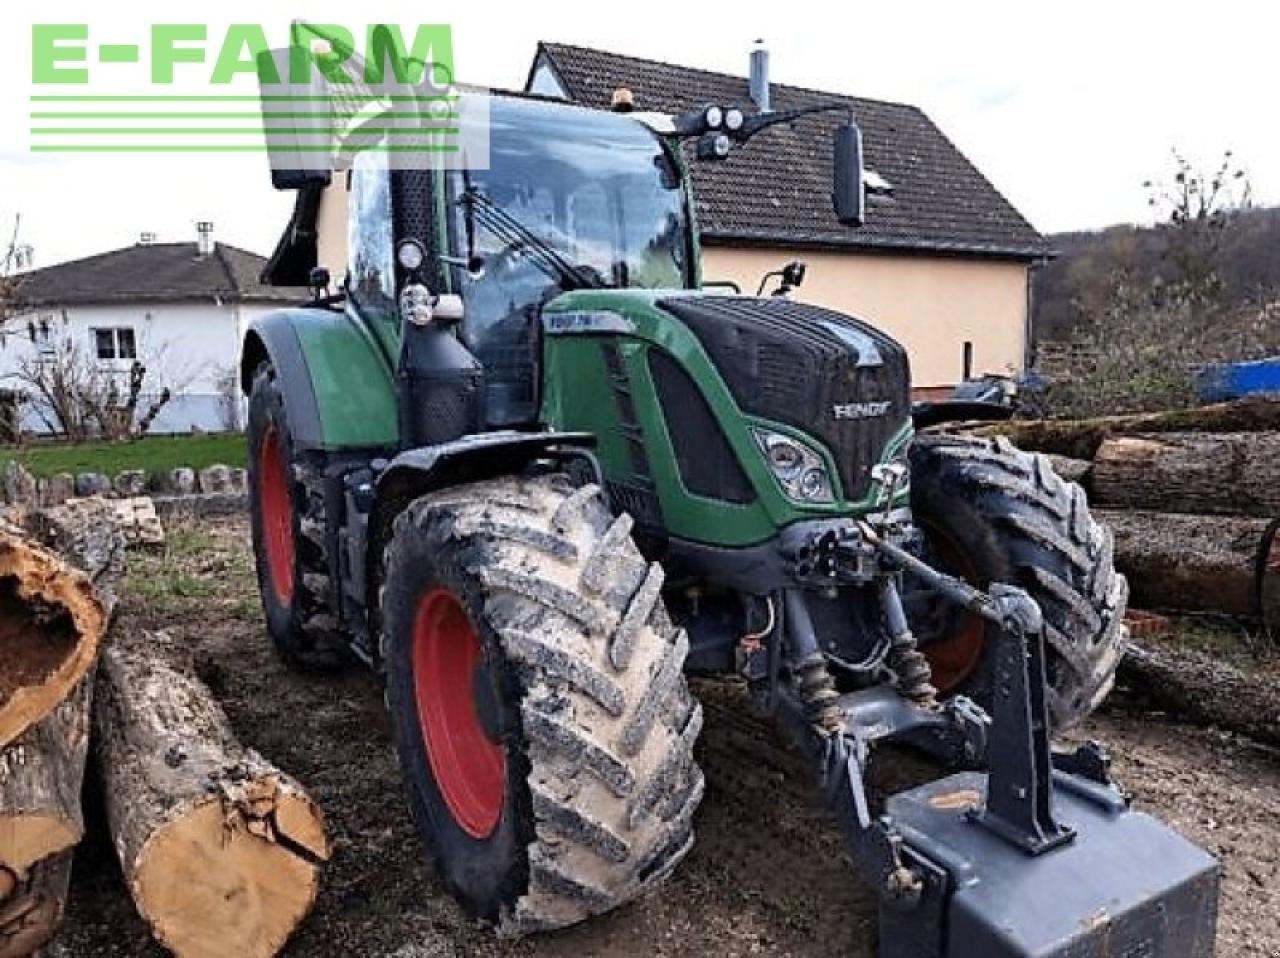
(768, 875)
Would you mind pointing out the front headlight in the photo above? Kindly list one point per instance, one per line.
(799, 470)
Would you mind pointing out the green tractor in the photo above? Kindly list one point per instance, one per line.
(535, 473)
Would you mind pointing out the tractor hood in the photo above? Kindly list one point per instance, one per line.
(826, 374)
(829, 375)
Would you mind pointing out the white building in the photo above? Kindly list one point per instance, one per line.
(179, 308)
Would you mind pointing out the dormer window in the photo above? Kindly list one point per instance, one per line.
(876, 184)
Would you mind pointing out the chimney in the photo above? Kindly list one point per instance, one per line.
(759, 84)
(146, 238)
(204, 238)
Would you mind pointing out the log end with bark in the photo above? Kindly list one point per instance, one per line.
(234, 873)
(51, 623)
(40, 778)
(42, 768)
(221, 850)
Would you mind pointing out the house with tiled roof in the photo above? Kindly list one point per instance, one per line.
(943, 260)
(179, 308)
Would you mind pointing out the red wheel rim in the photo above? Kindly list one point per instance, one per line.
(277, 514)
(468, 766)
(955, 656)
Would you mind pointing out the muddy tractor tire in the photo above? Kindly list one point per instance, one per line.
(287, 519)
(538, 700)
(992, 513)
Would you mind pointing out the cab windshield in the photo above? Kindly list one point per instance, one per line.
(598, 190)
(572, 198)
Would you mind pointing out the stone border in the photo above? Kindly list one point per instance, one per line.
(20, 487)
(200, 505)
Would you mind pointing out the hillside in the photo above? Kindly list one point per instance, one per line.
(1078, 284)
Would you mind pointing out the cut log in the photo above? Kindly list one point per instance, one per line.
(30, 915)
(40, 778)
(1203, 688)
(41, 822)
(1080, 438)
(88, 534)
(221, 850)
(42, 770)
(50, 626)
(1187, 562)
(1205, 473)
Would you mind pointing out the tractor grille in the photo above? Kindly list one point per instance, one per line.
(636, 494)
(812, 368)
(707, 464)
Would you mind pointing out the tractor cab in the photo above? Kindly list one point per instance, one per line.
(569, 199)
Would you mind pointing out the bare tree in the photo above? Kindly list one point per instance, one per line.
(14, 257)
(1196, 208)
(76, 396)
(1141, 336)
(229, 401)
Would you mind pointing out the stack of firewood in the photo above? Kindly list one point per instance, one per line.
(220, 850)
(1189, 496)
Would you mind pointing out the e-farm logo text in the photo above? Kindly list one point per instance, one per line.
(306, 95)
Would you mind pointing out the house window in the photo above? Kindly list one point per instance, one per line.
(115, 342)
(41, 331)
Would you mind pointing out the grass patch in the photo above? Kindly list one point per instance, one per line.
(1231, 641)
(169, 591)
(151, 454)
(198, 573)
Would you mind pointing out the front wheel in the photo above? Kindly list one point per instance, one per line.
(538, 700)
(992, 513)
(288, 537)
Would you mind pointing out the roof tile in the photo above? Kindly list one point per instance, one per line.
(152, 272)
(777, 190)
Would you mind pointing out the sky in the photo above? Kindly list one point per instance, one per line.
(1067, 108)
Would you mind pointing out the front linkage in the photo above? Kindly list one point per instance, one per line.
(1040, 856)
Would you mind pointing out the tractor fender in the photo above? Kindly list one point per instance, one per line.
(415, 472)
(337, 383)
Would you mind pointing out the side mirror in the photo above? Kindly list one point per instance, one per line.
(298, 179)
(847, 193)
(792, 275)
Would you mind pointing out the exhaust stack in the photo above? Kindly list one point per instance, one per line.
(759, 83)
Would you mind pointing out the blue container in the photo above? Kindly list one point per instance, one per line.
(1223, 381)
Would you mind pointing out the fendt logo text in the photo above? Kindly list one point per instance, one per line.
(860, 410)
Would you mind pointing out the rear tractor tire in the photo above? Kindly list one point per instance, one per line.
(538, 701)
(992, 513)
(287, 519)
